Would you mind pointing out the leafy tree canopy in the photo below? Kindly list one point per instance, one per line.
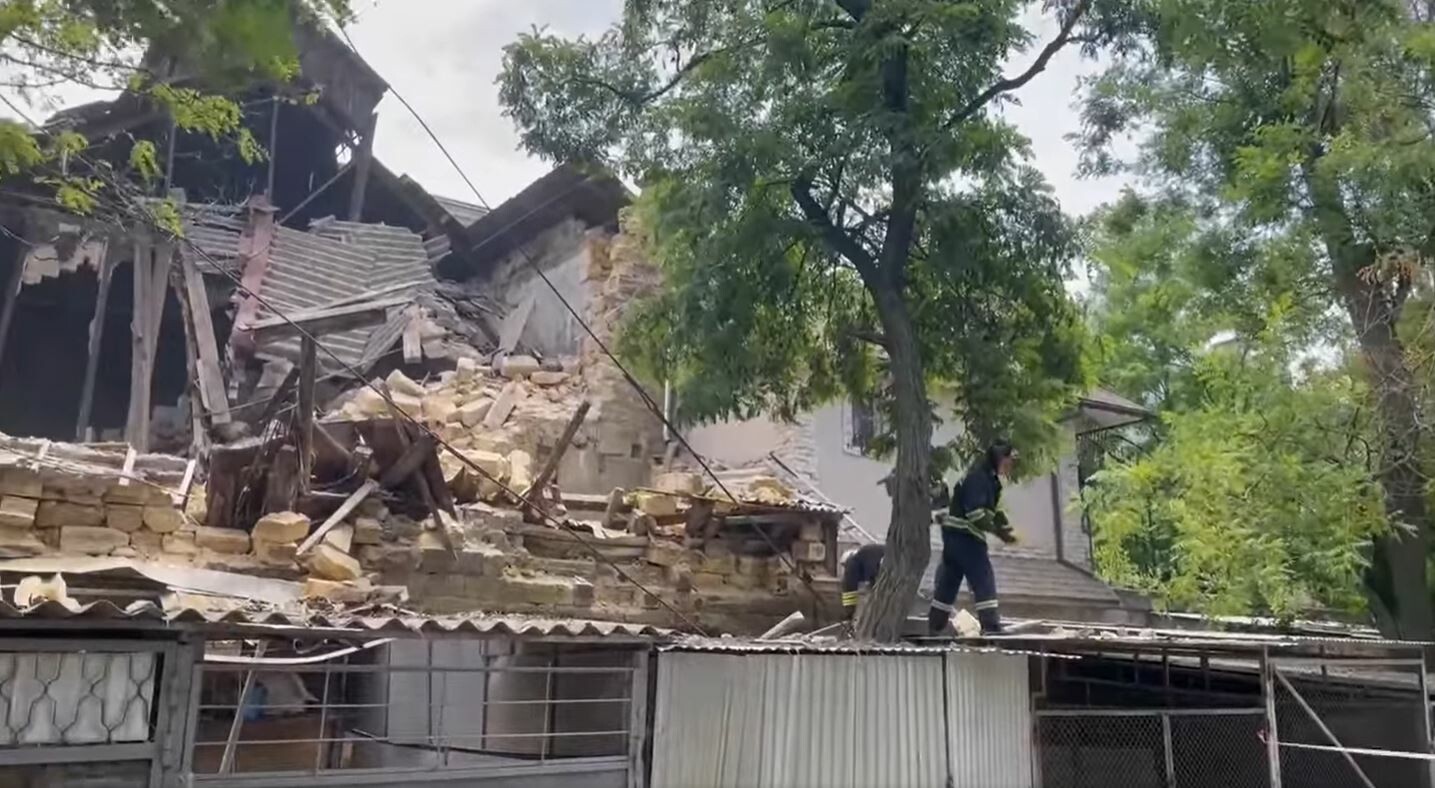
(1255, 493)
(836, 207)
(141, 46)
(1306, 125)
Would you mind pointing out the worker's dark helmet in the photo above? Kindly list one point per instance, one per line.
(999, 451)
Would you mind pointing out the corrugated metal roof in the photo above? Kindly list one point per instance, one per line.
(1031, 577)
(1046, 634)
(255, 616)
(337, 261)
(738, 481)
(728, 645)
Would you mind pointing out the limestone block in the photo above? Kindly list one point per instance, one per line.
(227, 541)
(19, 543)
(682, 483)
(390, 559)
(281, 528)
(465, 369)
(520, 470)
(399, 383)
(277, 553)
(335, 592)
(471, 413)
(664, 553)
(508, 399)
(18, 481)
(368, 530)
(147, 542)
(540, 591)
(90, 540)
(544, 377)
(182, 543)
(329, 563)
(439, 409)
(164, 519)
(60, 514)
(655, 504)
(341, 536)
(435, 557)
(519, 367)
(125, 517)
(18, 512)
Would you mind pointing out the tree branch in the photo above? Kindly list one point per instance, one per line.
(1008, 84)
(840, 242)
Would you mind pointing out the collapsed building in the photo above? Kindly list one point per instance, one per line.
(410, 406)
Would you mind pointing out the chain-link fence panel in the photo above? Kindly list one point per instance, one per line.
(1102, 751)
(1155, 749)
(1377, 708)
(1224, 750)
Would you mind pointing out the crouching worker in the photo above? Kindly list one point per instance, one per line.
(973, 516)
(859, 572)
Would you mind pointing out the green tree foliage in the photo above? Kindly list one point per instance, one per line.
(50, 45)
(836, 208)
(1307, 124)
(1258, 501)
(1255, 493)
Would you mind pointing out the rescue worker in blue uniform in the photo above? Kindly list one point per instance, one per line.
(974, 514)
(860, 566)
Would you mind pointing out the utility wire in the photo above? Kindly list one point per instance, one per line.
(380, 390)
(628, 376)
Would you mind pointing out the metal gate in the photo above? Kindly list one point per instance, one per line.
(89, 712)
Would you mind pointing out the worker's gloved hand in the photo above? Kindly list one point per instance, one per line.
(1008, 536)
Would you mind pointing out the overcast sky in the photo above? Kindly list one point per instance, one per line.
(444, 55)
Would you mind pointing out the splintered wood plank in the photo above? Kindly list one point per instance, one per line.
(97, 335)
(212, 391)
(345, 509)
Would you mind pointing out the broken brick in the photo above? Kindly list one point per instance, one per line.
(228, 541)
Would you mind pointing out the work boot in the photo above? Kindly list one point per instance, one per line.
(939, 622)
(991, 622)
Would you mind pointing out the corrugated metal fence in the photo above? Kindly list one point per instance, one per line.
(797, 720)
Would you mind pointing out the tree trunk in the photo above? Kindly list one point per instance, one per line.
(884, 615)
(1397, 576)
(1398, 571)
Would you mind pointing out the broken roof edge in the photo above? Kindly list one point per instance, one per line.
(252, 620)
(593, 196)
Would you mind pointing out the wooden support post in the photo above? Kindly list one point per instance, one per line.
(97, 336)
(12, 294)
(550, 468)
(363, 163)
(304, 421)
(409, 462)
(227, 466)
(282, 485)
(151, 267)
(280, 394)
(273, 146)
(213, 393)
